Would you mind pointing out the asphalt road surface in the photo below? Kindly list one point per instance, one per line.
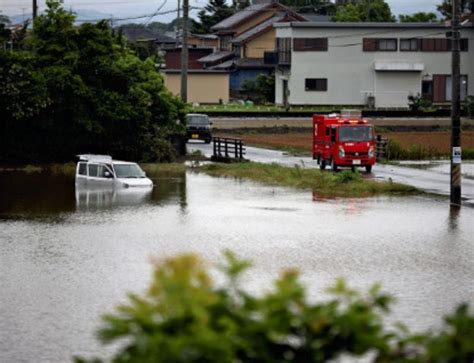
(433, 180)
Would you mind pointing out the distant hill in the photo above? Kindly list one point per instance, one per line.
(83, 15)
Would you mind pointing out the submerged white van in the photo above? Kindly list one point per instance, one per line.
(102, 170)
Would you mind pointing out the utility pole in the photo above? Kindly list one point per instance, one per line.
(184, 53)
(35, 9)
(455, 108)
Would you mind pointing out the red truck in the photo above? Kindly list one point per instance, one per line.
(343, 140)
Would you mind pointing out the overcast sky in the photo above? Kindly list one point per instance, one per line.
(130, 8)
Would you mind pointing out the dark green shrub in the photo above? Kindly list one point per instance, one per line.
(417, 103)
(347, 176)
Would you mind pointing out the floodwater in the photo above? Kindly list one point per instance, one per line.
(68, 256)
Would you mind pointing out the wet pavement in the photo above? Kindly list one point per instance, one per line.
(433, 180)
(68, 256)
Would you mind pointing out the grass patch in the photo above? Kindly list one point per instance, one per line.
(164, 168)
(326, 184)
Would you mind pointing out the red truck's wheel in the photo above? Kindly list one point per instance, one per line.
(322, 164)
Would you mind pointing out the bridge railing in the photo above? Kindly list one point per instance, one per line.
(228, 149)
(381, 150)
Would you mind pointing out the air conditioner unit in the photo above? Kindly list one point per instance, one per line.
(370, 101)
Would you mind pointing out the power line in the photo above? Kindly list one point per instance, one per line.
(155, 13)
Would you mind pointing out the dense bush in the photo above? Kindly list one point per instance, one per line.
(417, 103)
(262, 90)
(184, 317)
(75, 89)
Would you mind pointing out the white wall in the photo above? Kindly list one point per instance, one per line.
(350, 70)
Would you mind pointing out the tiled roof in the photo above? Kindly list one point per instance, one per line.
(251, 63)
(240, 16)
(204, 36)
(225, 65)
(374, 25)
(316, 17)
(216, 56)
(256, 30)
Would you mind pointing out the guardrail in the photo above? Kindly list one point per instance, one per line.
(228, 149)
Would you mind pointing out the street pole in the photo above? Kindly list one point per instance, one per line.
(184, 53)
(35, 9)
(455, 108)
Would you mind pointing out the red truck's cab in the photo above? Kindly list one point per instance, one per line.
(343, 140)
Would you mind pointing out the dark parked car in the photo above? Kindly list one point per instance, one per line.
(199, 127)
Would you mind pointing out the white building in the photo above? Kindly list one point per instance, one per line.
(378, 64)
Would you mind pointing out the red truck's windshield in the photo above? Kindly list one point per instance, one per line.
(355, 133)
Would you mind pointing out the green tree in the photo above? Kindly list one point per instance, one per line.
(311, 6)
(240, 4)
(214, 12)
(365, 11)
(446, 8)
(4, 20)
(5, 36)
(184, 317)
(419, 17)
(83, 89)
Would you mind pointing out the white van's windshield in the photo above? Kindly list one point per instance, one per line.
(128, 171)
(355, 133)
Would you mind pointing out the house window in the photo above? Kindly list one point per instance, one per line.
(387, 44)
(310, 44)
(316, 84)
(442, 87)
(379, 44)
(225, 42)
(284, 50)
(409, 44)
(462, 86)
(441, 45)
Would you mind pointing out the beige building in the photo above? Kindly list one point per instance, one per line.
(204, 86)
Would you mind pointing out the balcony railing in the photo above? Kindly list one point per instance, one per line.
(284, 58)
(277, 58)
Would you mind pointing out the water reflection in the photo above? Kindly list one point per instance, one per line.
(27, 195)
(31, 195)
(453, 217)
(106, 197)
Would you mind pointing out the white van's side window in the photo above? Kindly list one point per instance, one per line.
(82, 169)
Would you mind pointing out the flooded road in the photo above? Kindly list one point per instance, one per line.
(431, 178)
(67, 256)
